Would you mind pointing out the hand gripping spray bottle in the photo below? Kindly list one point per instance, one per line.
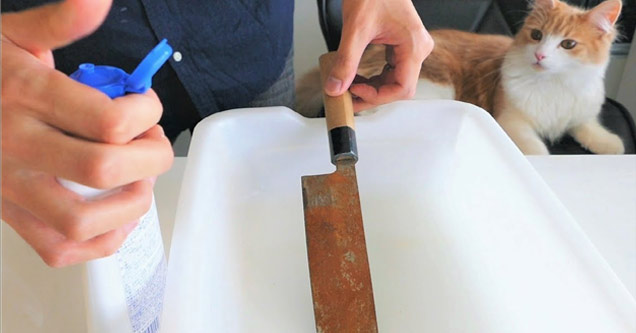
(124, 292)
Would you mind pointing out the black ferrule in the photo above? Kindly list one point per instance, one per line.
(342, 141)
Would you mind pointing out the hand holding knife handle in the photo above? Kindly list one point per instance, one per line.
(339, 114)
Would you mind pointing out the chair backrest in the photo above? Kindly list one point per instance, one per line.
(330, 17)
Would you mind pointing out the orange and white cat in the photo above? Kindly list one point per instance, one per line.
(541, 84)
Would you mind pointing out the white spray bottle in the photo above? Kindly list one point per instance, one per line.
(124, 291)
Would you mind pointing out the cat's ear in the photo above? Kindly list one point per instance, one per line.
(547, 4)
(605, 14)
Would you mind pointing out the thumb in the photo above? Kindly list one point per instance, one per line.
(54, 25)
(346, 65)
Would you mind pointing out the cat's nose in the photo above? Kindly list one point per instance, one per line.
(540, 56)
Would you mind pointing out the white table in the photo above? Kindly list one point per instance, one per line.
(599, 191)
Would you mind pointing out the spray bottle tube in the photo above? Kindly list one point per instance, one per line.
(124, 291)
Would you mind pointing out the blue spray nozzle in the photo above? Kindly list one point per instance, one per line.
(115, 82)
(141, 77)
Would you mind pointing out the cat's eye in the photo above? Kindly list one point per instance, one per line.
(568, 44)
(536, 34)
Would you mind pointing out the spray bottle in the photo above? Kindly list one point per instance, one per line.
(124, 291)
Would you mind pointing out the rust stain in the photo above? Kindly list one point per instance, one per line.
(338, 262)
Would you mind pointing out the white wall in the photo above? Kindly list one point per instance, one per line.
(620, 80)
(627, 89)
(614, 74)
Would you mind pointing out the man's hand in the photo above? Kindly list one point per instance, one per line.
(391, 22)
(55, 127)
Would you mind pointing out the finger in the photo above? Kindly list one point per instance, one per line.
(399, 83)
(360, 105)
(54, 25)
(85, 111)
(350, 51)
(368, 90)
(53, 247)
(406, 69)
(364, 91)
(69, 213)
(406, 59)
(93, 164)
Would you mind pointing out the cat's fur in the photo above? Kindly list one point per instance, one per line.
(531, 99)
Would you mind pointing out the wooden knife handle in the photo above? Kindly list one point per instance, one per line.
(339, 114)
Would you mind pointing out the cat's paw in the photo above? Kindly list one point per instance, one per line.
(608, 143)
(533, 147)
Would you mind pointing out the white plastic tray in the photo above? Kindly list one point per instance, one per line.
(463, 235)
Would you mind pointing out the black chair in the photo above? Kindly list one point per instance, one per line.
(499, 17)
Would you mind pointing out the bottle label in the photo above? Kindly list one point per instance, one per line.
(142, 263)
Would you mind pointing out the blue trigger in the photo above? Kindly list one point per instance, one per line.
(115, 82)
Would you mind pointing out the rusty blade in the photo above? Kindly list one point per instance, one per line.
(338, 262)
